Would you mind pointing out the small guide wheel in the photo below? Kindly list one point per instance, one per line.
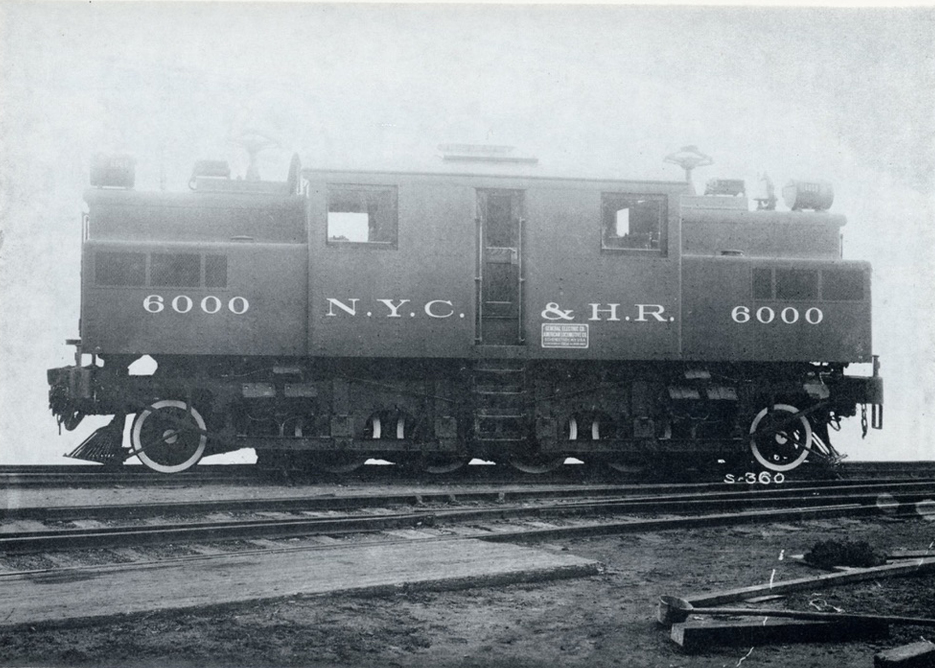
(168, 436)
(778, 443)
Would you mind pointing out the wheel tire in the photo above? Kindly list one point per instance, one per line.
(164, 446)
(775, 461)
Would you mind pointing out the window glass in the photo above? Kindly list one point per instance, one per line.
(362, 214)
(635, 222)
(215, 271)
(176, 270)
(842, 285)
(762, 283)
(796, 284)
(500, 227)
(120, 269)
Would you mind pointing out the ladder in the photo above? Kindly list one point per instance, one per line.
(500, 402)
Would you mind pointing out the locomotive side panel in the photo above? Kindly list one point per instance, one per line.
(760, 310)
(553, 264)
(775, 234)
(192, 217)
(194, 299)
(590, 294)
(390, 285)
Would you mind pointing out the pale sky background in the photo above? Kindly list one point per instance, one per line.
(845, 95)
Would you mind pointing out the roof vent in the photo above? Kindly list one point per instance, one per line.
(484, 153)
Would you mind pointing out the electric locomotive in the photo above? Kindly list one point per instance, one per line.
(479, 310)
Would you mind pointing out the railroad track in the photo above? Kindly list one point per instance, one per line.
(94, 475)
(50, 539)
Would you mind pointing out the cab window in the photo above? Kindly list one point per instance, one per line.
(362, 215)
(633, 222)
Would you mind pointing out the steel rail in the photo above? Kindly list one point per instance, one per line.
(99, 475)
(504, 535)
(100, 537)
(926, 467)
(96, 474)
(453, 495)
(332, 502)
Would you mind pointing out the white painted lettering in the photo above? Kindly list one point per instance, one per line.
(740, 314)
(789, 315)
(154, 303)
(215, 304)
(244, 305)
(394, 308)
(431, 314)
(352, 309)
(765, 314)
(655, 310)
(596, 310)
(182, 304)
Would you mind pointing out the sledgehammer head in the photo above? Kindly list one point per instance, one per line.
(672, 610)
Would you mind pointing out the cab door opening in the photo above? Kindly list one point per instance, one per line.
(500, 268)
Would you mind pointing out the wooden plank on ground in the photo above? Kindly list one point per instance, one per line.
(899, 569)
(695, 636)
(108, 591)
(915, 655)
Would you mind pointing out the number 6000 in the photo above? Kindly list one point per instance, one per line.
(185, 304)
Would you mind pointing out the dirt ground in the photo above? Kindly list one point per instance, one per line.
(606, 620)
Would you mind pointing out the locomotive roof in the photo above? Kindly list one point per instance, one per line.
(492, 173)
(201, 199)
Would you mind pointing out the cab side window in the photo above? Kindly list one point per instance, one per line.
(633, 222)
(362, 215)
